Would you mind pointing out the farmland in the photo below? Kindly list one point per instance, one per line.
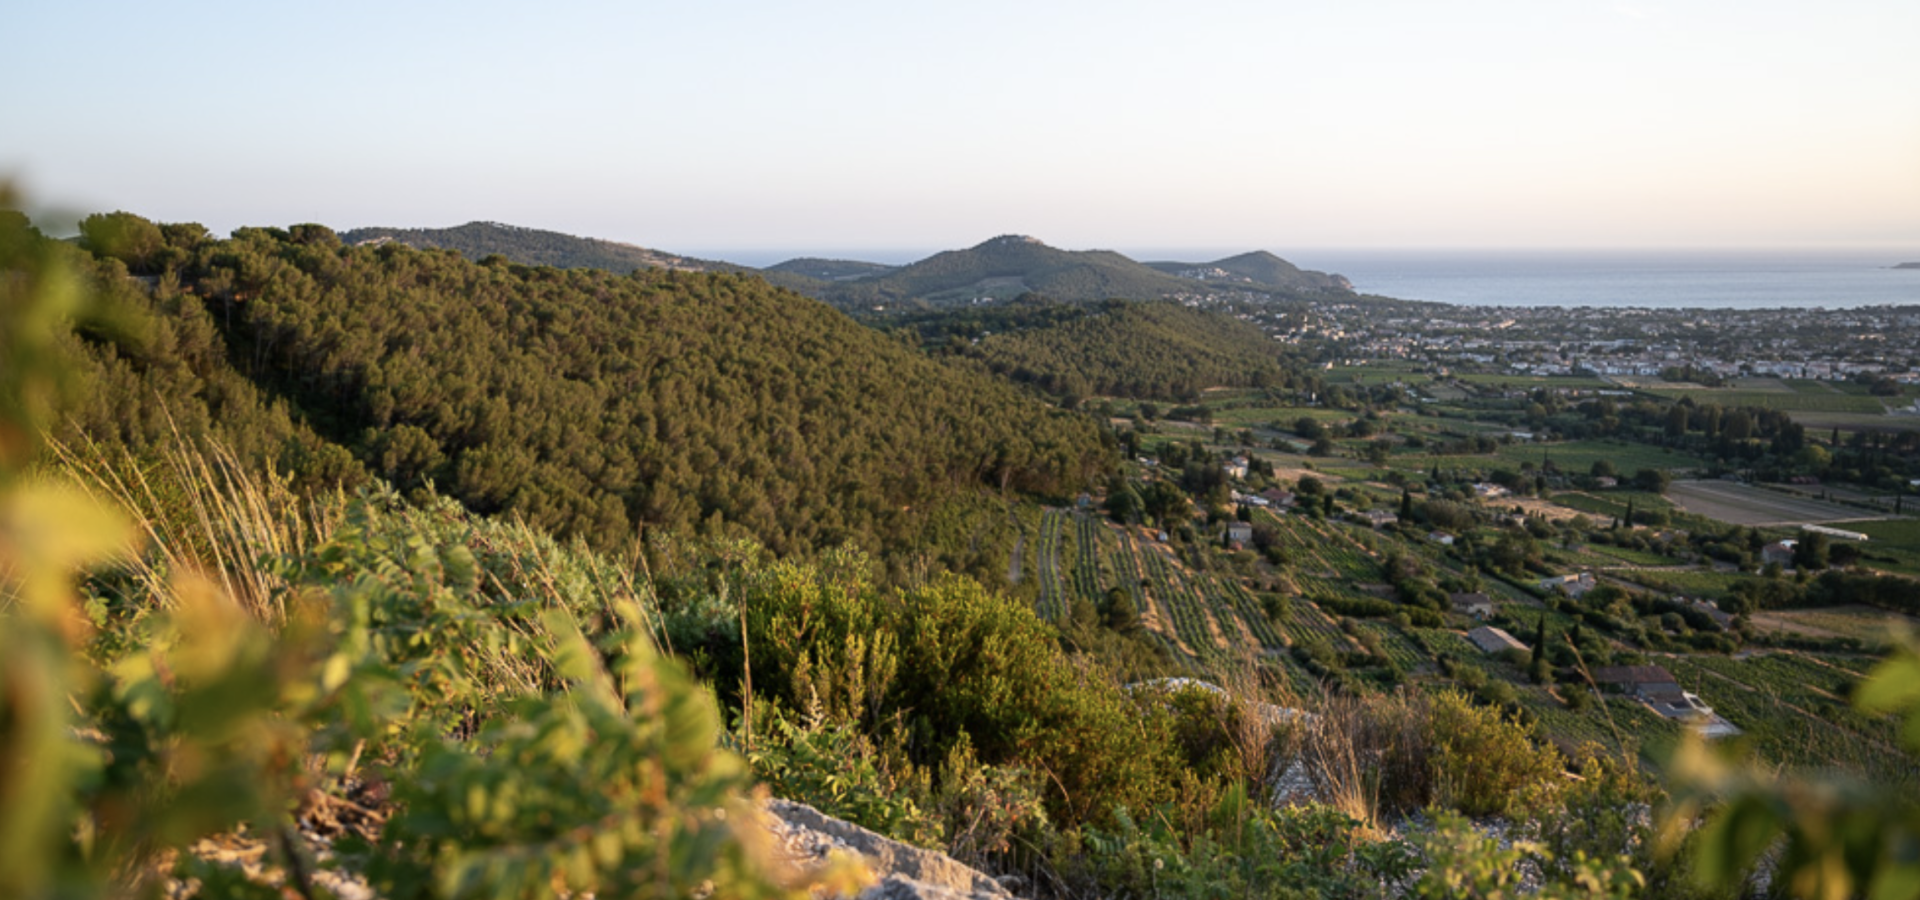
(1793, 708)
(1857, 421)
(1744, 504)
(1785, 400)
(1871, 627)
(1573, 456)
(1316, 604)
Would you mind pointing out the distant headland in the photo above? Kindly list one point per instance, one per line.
(1911, 265)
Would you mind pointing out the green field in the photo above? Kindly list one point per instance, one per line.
(1892, 531)
(1696, 583)
(1378, 373)
(1872, 627)
(1573, 382)
(1629, 556)
(1257, 416)
(1851, 421)
(1793, 708)
(1789, 401)
(1568, 456)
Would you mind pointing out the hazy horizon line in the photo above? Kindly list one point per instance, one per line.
(766, 256)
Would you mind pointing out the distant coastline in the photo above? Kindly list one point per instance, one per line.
(1911, 265)
(1706, 279)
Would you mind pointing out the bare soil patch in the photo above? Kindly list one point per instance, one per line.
(1534, 507)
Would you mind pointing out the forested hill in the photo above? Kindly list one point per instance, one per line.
(530, 246)
(1011, 265)
(999, 269)
(828, 269)
(586, 402)
(1003, 268)
(1259, 270)
(1157, 350)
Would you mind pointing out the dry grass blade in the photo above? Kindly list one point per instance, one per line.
(1261, 724)
(202, 510)
(1336, 753)
(1369, 755)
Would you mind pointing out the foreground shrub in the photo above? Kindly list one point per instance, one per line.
(1245, 850)
(1465, 864)
(614, 788)
(1484, 760)
(836, 769)
(950, 662)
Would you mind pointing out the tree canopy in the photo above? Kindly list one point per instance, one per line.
(585, 402)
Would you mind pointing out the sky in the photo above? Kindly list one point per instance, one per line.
(757, 128)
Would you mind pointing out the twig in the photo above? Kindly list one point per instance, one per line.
(296, 868)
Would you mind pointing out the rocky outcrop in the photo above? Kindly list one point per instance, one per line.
(806, 837)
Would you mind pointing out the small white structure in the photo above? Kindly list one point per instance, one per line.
(1476, 604)
(1239, 532)
(1570, 585)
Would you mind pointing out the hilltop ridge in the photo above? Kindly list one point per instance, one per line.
(1257, 268)
(995, 270)
(535, 247)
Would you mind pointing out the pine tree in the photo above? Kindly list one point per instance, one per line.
(1538, 669)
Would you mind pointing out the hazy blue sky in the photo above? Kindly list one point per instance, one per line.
(839, 125)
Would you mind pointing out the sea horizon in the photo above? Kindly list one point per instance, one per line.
(1653, 279)
(1719, 278)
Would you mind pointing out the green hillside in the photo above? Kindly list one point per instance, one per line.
(583, 402)
(829, 269)
(1006, 267)
(999, 269)
(533, 247)
(1156, 350)
(1257, 270)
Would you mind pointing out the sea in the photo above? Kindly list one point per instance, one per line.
(1670, 279)
(1718, 279)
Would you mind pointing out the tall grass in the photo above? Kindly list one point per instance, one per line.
(1368, 756)
(202, 511)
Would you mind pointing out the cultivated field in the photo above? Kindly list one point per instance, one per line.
(1870, 626)
(1742, 504)
(1845, 421)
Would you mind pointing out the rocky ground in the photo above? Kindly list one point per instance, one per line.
(803, 837)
